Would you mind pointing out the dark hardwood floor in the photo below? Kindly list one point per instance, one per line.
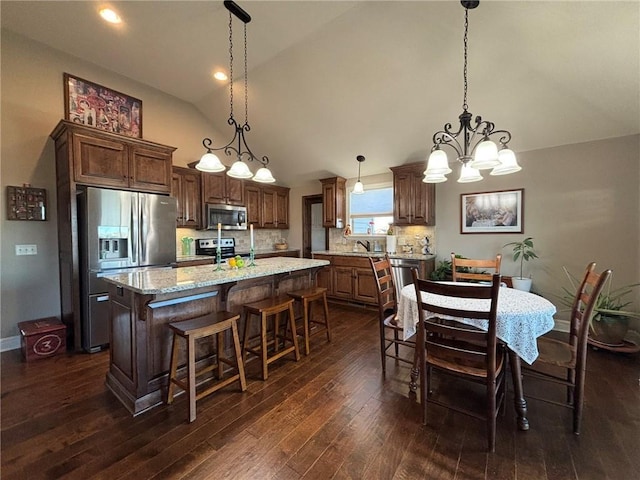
(330, 415)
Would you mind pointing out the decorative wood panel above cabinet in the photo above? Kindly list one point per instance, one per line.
(108, 160)
(186, 189)
(414, 202)
(334, 202)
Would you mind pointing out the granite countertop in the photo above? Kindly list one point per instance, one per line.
(263, 251)
(171, 280)
(268, 251)
(193, 258)
(410, 256)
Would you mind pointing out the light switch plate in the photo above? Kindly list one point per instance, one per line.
(26, 249)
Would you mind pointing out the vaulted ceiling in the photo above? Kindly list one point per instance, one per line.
(329, 80)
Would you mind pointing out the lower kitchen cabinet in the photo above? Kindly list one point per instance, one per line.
(348, 279)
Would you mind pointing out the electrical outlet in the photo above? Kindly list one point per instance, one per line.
(26, 249)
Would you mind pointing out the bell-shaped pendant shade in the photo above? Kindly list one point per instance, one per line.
(434, 178)
(469, 174)
(210, 162)
(438, 163)
(263, 175)
(358, 188)
(508, 163)
(486, 155)
(239, 169)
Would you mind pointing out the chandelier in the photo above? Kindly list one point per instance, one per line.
(237, 147)
(358, 188)
(472, 144)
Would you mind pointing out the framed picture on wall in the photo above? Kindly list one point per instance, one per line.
(91, 104)
(492, 212)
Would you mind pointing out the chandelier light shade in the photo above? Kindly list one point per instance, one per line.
(210, 162)
(237, 148)
(358, 188)
(472, 142)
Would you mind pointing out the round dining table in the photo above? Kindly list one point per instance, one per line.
(521, 318)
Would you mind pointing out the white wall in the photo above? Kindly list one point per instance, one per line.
(581, 204)
(32, 105)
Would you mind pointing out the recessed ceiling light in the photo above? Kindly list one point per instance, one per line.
(110, 16)
(219, 75)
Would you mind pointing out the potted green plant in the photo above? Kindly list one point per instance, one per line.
(610, 320)
(443, 272)
(524, 252)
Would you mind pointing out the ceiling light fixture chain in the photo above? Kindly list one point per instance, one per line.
(209, 161)
(466, 49)
(474, 155)
(246, 80)
(230, 65)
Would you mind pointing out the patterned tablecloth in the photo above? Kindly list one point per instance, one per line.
(522, 317)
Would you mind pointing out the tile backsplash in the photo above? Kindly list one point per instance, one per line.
(407, 238)
(262, 239)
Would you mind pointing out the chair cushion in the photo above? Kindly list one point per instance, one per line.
(556, 352)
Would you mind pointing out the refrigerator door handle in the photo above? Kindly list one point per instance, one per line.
(142, 211)
(133, 228)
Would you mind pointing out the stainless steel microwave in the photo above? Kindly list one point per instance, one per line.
(230, 217)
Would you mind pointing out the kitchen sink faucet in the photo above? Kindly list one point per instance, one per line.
(366, 245)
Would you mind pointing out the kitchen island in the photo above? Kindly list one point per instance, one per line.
(142, 303)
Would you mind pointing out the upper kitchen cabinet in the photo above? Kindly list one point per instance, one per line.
(93, 157)
(267, 206)
(186, 189)
(221, 188)
(334, 202)
(414, 202)
(275, 207)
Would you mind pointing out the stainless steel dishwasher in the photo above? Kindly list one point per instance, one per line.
(402, 272)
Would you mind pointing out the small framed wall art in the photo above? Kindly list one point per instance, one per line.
(91, 104)
(26, 203)
(492, 212)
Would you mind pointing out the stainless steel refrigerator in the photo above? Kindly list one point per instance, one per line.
(118, 231)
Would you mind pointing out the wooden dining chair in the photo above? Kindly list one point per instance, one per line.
(461, 268)
(391, 334)
(468, 353)
(564, 361)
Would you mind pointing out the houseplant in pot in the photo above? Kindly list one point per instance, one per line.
(610, 320)
(524, 252)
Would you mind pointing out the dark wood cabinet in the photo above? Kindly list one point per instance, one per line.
(414, 202)
(348, 278)
(88, 156)
(221, 188)
(253, 200)
(334, 202)
(267, 206)
(186, 189)
(108, 160)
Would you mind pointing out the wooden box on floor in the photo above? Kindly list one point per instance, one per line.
(42, 338)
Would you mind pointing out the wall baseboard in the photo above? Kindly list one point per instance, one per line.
(561, 325)
(9, 343)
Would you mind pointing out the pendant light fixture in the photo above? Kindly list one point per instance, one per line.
(358, 188)
(473, 153)
(237, 147)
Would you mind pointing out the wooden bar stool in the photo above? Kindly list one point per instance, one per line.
(215, 324)
(264, 309)
(307, 296)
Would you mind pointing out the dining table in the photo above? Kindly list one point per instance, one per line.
(521, 318)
